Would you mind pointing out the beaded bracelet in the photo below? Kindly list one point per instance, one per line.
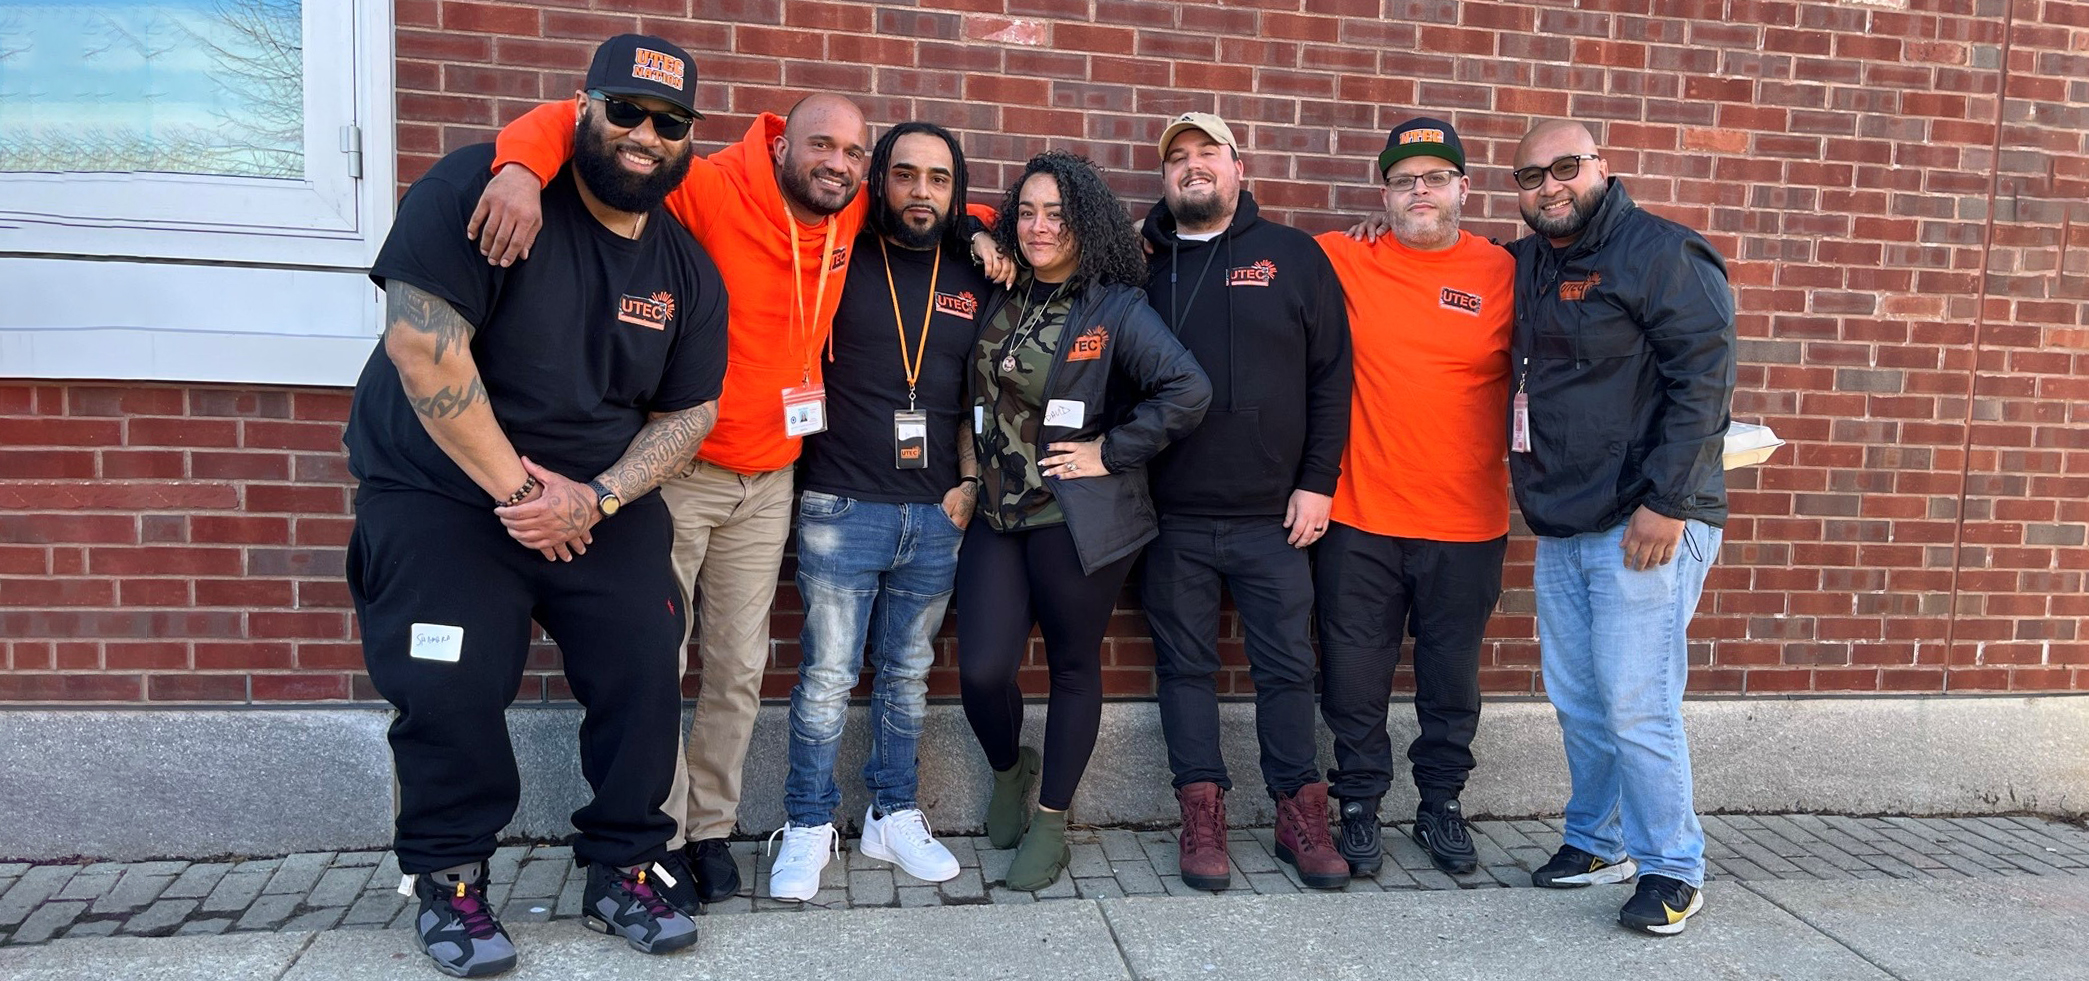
(529, 486)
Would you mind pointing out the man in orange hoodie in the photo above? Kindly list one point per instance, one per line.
(778, 212)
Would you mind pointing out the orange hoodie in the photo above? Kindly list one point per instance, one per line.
(731, 203)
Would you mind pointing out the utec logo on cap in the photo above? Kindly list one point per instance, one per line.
(656, 66)
(1421, 136)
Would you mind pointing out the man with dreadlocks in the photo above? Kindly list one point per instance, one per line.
(888, 490)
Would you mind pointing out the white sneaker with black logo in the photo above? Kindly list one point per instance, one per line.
(805, 852)
(903, 838)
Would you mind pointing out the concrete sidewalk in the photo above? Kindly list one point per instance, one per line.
(1914, 930)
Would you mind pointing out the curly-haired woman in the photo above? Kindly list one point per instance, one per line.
(1076, 384)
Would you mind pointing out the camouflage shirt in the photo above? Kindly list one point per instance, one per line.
(1012, 494)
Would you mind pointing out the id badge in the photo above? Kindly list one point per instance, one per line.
(910, 439)
(804, 410)
(1519, 426)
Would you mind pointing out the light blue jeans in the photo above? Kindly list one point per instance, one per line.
(878, 576)
(1615, 662)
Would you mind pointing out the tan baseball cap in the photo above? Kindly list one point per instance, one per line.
(1212, 126)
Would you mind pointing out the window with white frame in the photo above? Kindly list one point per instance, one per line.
(192, 189)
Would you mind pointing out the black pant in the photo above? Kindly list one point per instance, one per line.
(1007, 583)
(1372, 588)
(418, 559)
(1272, 587)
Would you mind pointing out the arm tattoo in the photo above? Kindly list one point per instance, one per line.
(660, 450)
(450, 403)
(423, 312)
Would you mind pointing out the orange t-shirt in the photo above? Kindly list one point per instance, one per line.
(731, 204)
(1429, 421)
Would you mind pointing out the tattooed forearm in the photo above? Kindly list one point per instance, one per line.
(660, 450)
(417, 310)
(449, 403)
(967, 464)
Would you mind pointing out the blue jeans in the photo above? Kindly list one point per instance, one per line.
(1616, 661)
(876, 575)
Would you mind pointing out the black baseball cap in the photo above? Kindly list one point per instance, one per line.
(1421, 137)
(638, 64)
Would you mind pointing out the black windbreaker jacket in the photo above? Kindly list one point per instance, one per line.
(1261, 309)
(1625, 346)
(1144, 392)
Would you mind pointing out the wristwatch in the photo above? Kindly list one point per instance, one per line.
(605, 501)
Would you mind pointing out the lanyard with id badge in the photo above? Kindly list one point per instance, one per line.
(805, 404)
(910, 425)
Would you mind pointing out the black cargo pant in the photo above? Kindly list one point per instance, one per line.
(1372, 590)
(421, 567)
(1272, 587)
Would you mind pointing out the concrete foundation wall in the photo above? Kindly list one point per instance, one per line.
(138, 783)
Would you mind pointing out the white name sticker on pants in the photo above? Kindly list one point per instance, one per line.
(437, 642)
(1065, 412)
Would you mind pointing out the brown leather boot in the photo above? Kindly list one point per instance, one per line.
(1202, 841)
(1304, 841)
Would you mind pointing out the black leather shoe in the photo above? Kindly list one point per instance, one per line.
(1358, 843)
(717, 875)
(1440, 830)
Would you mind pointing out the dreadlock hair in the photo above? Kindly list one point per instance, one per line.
(1110, 252)
(881, 221)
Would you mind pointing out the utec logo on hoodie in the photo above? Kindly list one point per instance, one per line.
(1262, 273)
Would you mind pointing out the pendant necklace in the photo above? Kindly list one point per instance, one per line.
(1016, 338)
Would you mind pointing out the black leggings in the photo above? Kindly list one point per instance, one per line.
(1005, 584)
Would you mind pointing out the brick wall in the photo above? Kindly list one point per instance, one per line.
(1903, 190)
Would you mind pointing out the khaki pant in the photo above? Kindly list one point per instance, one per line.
(729, 534)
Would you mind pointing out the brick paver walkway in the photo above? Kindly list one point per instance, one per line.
(348, 890)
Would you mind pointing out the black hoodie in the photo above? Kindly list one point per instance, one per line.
(1261, 309)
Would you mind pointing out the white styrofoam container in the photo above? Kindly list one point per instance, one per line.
(1748, 444)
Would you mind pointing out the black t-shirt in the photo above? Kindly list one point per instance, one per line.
(575, 344)
(867, 381)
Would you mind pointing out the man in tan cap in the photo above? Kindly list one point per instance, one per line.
(1240, 499)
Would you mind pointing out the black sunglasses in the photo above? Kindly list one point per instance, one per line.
(624, 114)
(1563, 169)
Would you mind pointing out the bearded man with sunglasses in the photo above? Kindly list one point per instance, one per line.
(508, 434)
(1624, 353)
(1421, 516)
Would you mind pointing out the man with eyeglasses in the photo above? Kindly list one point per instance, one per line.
(1421, 516)
(508, 434)
(1624, 353)
(1242, 498)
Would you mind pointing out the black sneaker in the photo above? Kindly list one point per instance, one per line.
(623, 903)
(1572, 868)
(456, 928)
(679, 884)
(717, 875)
(1359, 842)
(1440, 830)
(1661, 906)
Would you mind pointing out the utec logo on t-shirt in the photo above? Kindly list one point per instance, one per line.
(1262, 273)
(958, 305)
(647, 311)
(1460, 301)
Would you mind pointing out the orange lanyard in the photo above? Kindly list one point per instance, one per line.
(912, 368)
(802, 323)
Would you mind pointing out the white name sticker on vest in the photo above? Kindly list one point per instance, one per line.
(1065, 412)
(436, 642)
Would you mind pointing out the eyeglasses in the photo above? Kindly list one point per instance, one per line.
(1434, 178)
(1563, 170)
(625, 114)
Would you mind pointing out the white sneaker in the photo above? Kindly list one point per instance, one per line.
(903, 839)
(805, 851)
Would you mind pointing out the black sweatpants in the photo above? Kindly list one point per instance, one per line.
(1372, 589)
(421, 562)
(1272, 586)
(1007, 583)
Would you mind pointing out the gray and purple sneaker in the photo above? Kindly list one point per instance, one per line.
(456, 927)
(625, 902)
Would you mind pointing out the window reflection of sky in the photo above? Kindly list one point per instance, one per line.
(173, 85)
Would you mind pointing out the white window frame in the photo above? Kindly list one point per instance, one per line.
(202, 278)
